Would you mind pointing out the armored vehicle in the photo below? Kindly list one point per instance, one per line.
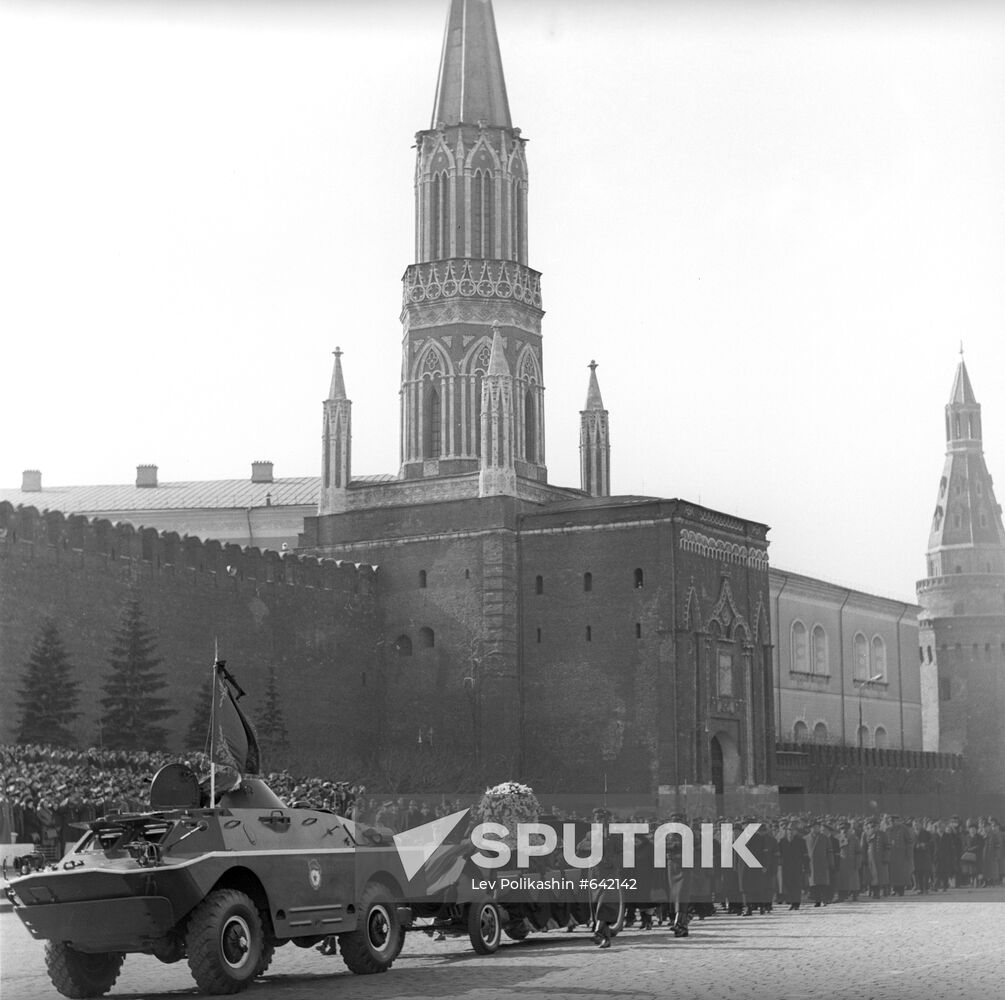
(220, 883)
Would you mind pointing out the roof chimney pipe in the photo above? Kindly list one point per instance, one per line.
(31, 481)
(146, 476)
(261, 472)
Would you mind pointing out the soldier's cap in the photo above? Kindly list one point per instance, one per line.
(678, 818)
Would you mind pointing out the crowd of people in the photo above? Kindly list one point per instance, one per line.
(46, 791)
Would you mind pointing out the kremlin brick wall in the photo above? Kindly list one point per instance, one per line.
(314, 620)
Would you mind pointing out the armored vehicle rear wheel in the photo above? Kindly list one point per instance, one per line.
(374, 945)
(225, 942)
(79, 974)
(484, 926)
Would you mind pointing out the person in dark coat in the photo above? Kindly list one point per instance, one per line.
(901, 855)
(793, 862)
(678, 880)
(756, 883)
(729, 882)
(877, 854)
(947, 858)
(605, 902)
(849, 849)
(971, 855)
(820, 854)
(924, 851)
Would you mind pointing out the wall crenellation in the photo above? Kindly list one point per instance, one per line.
(112, 545)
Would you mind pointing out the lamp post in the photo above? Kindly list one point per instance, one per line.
(862, 685)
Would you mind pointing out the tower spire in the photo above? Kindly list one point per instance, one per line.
(594, 441)
(337, 388)
(336, 443)
(470, 88)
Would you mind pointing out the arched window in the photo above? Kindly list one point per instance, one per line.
(881, 738)
(878, 657)
(426, 638)
(639, 579)
(439, 210)
(431, 430)
(422, 579)
(587, 581)
(820, 732)
(482, 214)
(860, 652)
(403, 645)
(800, 732)
(863, 736)
(819, 658)
(799, 665)
(530, 427)
(538, 584)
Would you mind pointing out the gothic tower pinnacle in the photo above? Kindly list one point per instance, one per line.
(470, 273)
(962, 622)
(336, 443)
(594, 442)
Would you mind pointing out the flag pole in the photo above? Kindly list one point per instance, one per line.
(212, 726)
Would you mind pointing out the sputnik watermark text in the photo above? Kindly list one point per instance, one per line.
(540, 840)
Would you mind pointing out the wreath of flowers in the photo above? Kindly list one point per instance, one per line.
(509, 803)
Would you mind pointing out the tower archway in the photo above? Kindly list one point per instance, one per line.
(725, 762)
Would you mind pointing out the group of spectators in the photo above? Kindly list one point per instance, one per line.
(45, 791)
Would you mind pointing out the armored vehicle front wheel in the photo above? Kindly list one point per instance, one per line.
(79, 974)
(225, 942)
(484, 926)
(374, 945)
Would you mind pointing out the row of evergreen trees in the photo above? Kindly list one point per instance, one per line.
(133, 705)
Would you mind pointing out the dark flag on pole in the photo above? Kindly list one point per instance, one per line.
(235, 744)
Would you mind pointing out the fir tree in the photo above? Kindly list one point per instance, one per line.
(47, 696)
(197, 737)
(273, 737)
(131, 704)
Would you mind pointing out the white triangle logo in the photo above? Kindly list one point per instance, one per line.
(416, 846)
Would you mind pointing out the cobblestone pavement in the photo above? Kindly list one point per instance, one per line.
(871, 950)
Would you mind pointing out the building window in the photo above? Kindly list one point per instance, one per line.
(863, 736)
(426, 638)
(881, 738)
(878, 658)
(725, 673)
(589, 634)
(799, 648)
(819, 659)
(638, 630)
(432, 429)
(861, 654)
(800, 732)
(539, 585)
(587, 581)
(422, 579)
(403, 645)
(530, 427)
(538, 635)
(928, 653)
(820, 732)
(639, 579)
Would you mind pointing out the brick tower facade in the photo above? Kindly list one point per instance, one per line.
(962, 623)
(470, 275)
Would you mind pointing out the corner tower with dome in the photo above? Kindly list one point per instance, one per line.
(570, 637)
(962, 597)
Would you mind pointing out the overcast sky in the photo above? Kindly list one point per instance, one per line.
(770, 223)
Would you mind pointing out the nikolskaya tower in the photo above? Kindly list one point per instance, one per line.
(471, 367)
